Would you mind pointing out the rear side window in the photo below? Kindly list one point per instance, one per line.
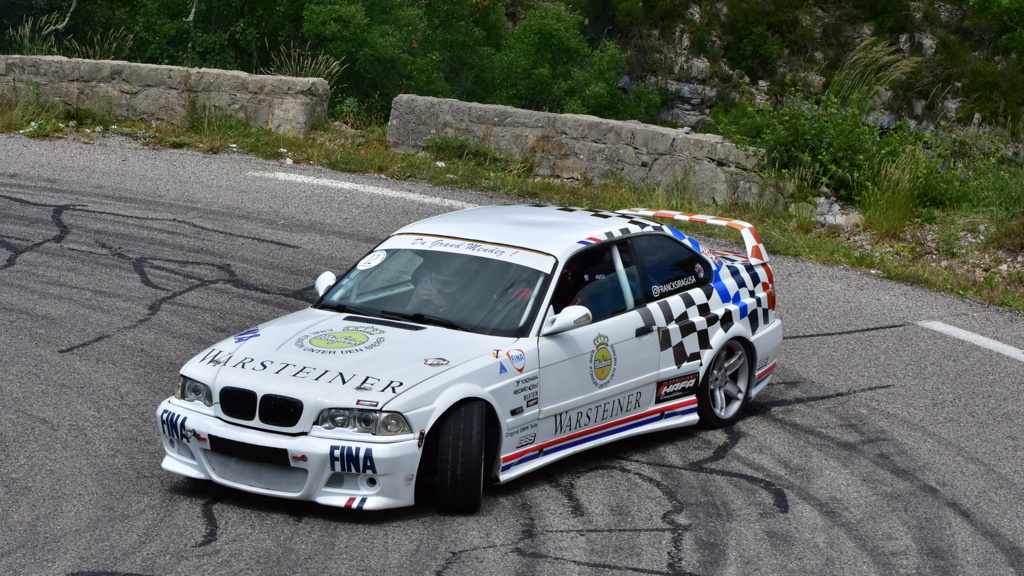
(667, 267)
(593, 279)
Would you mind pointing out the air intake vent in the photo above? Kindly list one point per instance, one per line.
(381, 322)
(280, 410)
(238, 403)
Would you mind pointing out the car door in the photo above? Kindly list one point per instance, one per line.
(594, 373)
(675, 282)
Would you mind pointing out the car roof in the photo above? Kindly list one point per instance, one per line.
(556, 230)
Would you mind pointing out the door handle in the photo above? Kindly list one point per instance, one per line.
(644, 330)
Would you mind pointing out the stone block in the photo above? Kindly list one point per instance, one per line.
(578, 146)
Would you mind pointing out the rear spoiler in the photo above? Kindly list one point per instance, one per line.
(755, 248)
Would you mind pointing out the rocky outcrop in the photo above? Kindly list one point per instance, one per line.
(576, 146)
(167, 93)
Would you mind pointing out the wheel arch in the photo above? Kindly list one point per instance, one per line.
(492, 440)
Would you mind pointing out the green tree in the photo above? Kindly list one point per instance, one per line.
(546, 64)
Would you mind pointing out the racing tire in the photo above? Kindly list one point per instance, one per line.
(722, 393)
(459, 480)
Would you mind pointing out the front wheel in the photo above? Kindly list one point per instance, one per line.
(460, 459)
(725, 385)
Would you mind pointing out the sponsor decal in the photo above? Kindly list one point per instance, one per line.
(521, 429)
(215, 357)
(370, 403)
(299, 457)
(526, 384)
(371, 260)
(602, 362)
(526, 440)
(711, 256)
(518, 359)
(532, 402)
(638, 420)
(673, 285)
(346, 341)
(496, 353)
(698, 270)
(349, 459)
(172, 425)
(501, 368)
(675, 387)
(573, 420)
(435, 362)
(762, 363)
(460, 246)
(247, 335)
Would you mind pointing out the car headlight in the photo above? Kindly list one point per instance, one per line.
(363, 421)
(194, 391)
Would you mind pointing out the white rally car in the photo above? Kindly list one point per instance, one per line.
(477, 346)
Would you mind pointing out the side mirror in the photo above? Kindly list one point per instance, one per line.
(324, 282)
(570, 317)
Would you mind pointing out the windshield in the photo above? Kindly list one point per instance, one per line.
(452, 289)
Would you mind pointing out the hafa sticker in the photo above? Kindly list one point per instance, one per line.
(371, 260)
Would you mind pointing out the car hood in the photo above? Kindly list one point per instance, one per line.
(341, 359)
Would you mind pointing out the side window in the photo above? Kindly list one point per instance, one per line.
(593, 279)
(667, 267)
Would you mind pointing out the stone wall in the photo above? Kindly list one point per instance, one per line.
(165, 93)
(577, 146)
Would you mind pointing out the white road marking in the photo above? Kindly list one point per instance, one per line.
(976, 339)
(363, 188)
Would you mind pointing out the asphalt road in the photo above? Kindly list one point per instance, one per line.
(883, 446)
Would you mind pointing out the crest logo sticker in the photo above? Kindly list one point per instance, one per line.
(602, 362)
(346, 341)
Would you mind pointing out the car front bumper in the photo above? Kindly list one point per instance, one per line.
(333, 472)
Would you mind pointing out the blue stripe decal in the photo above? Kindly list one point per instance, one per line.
(683, 412)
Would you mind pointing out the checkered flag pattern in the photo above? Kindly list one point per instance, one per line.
(629, 225)
(741, 293)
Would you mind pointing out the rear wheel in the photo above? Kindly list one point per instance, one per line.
(460, 459)
(725, 386)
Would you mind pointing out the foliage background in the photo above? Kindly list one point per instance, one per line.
(604, 57)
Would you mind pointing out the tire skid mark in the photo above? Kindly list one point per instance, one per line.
(83, 208)
(845, 332)
(210, 521)
(779, 499)
(763, 407)
(143, 266)
(566, 487)
(939, 554)
(104, 573)
(1013, 551)
(526, 546)
(56, 216)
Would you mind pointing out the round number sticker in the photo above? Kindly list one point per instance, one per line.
(371, 260)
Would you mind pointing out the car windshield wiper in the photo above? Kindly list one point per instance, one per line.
(423, 319)
(347, 308)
